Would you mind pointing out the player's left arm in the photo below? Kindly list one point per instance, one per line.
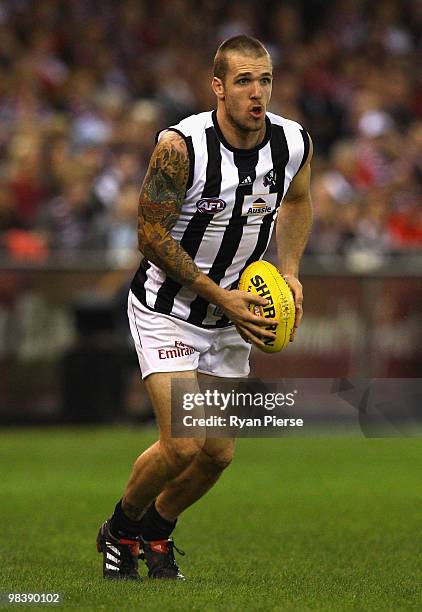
(294, 222)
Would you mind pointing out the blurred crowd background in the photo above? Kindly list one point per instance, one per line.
(85, 85)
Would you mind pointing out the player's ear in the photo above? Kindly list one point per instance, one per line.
(218, 87)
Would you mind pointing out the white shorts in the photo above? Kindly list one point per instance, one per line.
(167, 344)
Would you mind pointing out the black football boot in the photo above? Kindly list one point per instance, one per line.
(120, 555)
(159, 558)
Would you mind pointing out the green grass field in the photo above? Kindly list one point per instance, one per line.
(294, 524)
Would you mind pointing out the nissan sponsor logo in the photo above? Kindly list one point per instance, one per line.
(210, 205)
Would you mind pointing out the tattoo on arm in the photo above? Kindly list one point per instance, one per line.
(160, 202)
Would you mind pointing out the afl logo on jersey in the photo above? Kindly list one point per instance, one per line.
(210, 205)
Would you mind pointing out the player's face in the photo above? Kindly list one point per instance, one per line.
(247, 90)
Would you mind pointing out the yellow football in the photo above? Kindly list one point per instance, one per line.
(263, 279)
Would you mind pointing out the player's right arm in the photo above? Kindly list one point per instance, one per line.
(160, 201)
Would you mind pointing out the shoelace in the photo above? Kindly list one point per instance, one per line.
(179, 550)
(173, 547)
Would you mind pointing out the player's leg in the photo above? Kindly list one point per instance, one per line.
(198, 478)
(185, 489)
(214, 457)
(168, 457)
(164, 352)
(130, 525)
(226, 359)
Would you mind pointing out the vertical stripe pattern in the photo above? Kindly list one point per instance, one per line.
(232, 235)
(240, 192)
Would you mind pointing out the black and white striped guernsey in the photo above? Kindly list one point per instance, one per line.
(228, 214)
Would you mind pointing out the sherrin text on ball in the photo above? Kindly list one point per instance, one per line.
(262, 278)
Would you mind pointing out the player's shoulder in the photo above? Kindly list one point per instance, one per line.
(298, 139)
(284, 122)
(189, 126)
(171, 140)
(297, 136)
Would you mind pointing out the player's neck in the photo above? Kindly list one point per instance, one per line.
(237, 138)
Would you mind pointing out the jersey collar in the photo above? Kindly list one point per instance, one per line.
(228, 146)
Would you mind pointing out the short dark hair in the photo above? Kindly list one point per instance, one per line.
(243, 44)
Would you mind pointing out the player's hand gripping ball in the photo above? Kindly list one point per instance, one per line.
(263, 279)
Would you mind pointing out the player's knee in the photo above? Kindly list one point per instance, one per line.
(220, 459)
(179, 453)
